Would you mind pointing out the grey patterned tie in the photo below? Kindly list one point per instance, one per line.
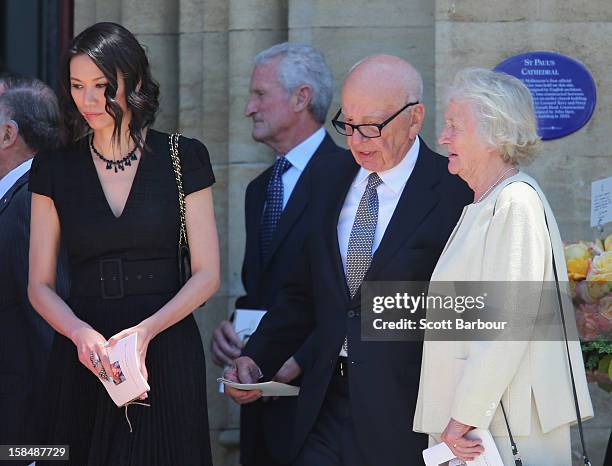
(359, 252)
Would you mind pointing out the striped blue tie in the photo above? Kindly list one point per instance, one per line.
(273, 207)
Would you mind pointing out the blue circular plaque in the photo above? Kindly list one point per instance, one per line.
(563, 90)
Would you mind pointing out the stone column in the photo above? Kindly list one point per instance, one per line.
(155, 24)
(87, 12)
(253, 26)
(202, 101)
(349, 31)
(248, 27)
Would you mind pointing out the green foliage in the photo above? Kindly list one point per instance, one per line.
(598, 357)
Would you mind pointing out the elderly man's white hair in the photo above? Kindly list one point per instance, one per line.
(503, 109)
(302, 64)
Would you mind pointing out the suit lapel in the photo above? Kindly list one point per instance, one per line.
(6, 199)
(298, 199)
(295, 206)
(254, 211)
(343, 178)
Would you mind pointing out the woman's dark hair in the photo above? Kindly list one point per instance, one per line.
(114, 50)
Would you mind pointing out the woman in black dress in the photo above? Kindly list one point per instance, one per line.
(113, 196)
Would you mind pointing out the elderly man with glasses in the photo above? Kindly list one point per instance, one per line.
(383, 214)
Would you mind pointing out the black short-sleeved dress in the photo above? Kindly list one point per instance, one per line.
(173, 431)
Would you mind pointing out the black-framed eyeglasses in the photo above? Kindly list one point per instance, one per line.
(369, 130)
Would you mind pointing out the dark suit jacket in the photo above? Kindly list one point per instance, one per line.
(314, 302)
(25, 338)
(262, 283)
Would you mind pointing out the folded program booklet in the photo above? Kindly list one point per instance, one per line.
(125, 365)
(441, 454)
(267, 388)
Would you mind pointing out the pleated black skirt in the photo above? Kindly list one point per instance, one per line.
(78, 411)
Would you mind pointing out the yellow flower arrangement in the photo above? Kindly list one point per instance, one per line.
(578, 258)
(589, 268)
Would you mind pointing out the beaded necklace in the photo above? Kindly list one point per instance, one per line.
(117, 164)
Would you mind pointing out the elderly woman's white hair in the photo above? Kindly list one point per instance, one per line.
(503, 109)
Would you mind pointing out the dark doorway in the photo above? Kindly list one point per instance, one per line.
(33, 34)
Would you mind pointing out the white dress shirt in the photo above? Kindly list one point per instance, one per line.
(389, 192)
(299, 157)
(8, 180)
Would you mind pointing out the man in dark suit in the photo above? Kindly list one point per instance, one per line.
(290, 93)
(383, 214)
(28, 123)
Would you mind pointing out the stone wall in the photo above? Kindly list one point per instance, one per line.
(201, 53)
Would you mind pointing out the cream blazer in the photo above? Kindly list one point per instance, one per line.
(467, 380)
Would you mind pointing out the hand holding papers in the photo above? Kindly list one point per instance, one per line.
(244, 371)
(244, 325)
(127, 382)
(440, 453)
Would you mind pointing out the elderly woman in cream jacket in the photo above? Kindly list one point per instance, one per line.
(490, 128)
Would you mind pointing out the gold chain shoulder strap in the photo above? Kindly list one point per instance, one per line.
(176, 163)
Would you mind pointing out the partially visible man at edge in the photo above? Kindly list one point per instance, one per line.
(29, 119)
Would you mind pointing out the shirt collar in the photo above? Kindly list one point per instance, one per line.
(395, 178)
(11, 177)
(301, 154)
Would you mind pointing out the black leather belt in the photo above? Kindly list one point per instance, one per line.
(342, 367)
(115, 278)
